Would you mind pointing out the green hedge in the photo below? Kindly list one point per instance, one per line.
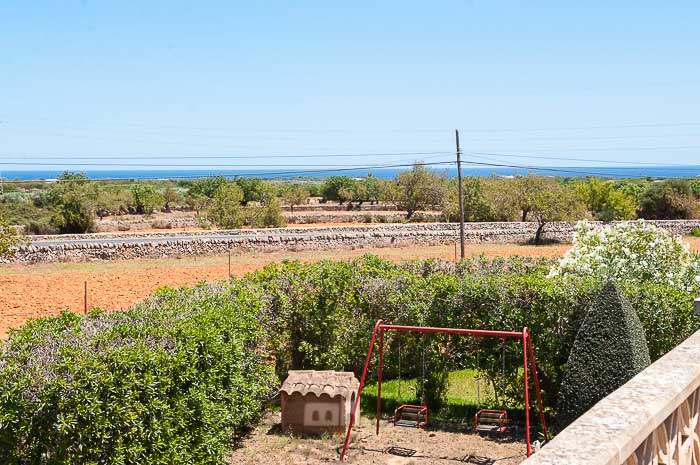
(172, 380)
(321, 315)
(609, 350)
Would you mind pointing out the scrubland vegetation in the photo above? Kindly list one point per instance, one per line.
(73, 203)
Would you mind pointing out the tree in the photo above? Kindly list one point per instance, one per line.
(146, 199)
(226, 210)
(254, 189)
(296, 195)
(523, 191)
(499, 196)
(197, 202)
(604, 201)
(476, 206)
(333, 185)
(75, 196)
(206, 187)
(374, 188)
(417, 189)
(171, 196)
(268, 214)
(672, 199)
(633, 189)
(112, 200)
(10, 238)
(609, 349)
(552, 201)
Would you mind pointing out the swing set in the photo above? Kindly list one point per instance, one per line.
(485, 420)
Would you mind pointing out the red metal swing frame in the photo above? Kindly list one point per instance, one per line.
(523, 335)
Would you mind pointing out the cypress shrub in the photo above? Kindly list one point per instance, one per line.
(610, 348)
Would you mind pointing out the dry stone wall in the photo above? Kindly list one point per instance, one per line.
(114, 246)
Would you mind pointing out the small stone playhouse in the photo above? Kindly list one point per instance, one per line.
(317, 401)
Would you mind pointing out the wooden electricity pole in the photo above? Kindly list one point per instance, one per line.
(459, 193)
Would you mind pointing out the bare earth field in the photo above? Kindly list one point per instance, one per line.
(266, 445)
(28, 291)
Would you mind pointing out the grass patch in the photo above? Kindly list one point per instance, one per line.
(462, 398)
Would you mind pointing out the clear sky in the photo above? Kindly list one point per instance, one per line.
(138, 82)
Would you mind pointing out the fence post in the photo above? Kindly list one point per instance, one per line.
(85, 298)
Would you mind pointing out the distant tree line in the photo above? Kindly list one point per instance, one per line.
(74, 202)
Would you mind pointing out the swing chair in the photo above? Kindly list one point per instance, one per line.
(528, 359)
(408, 415)
(490, 421)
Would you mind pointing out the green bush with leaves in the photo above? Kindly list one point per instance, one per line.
(146, 198)
(226, 209)
(609, 350)
(10, 238)
(672, 199)
(75, 197)
(321, 315)
(172, 380)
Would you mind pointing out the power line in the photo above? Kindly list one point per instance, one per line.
(233, 157)
(92, 125)
(582, 159)
(258, 174)
(609, 149)
(558, 170)
(339, 155)
(152, 137)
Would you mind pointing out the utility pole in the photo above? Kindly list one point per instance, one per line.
(459, 193)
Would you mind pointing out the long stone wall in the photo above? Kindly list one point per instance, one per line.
(652, 419)
(141, 223)
(111, 246)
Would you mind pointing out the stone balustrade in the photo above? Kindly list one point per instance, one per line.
(652, 419)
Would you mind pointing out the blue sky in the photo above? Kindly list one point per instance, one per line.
(139, 83)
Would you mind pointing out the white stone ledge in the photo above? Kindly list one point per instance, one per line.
(611, 431)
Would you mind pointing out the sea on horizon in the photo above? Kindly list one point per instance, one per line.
(578, 171)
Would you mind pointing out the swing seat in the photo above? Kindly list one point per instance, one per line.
(413, 416)
(491, 421)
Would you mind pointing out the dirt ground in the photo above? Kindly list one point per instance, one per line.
(267, 445)
(39, 290)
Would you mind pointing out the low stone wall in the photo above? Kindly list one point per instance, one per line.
(112, 246)
(137, 224)
(652, 419)
(318, 215)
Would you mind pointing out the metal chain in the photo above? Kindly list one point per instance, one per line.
(422, 394)
(503, 369)
(478, 378)
(398, 335)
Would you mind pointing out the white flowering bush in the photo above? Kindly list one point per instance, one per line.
(630, 252)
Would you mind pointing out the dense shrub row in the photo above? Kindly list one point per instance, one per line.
(321, 315)
(169, 381)
(173, 378)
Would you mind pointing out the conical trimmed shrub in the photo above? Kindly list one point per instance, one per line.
(610, 348)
